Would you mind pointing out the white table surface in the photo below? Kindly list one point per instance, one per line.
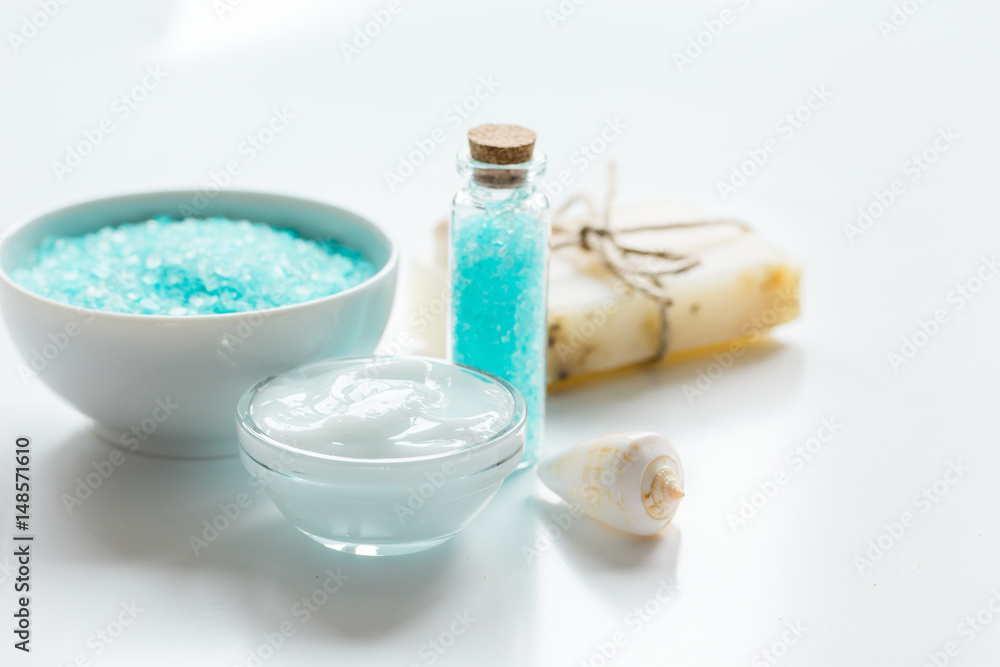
(728, 595)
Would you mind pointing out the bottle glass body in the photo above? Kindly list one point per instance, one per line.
(498, 269)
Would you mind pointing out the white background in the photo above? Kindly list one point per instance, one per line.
(794, 561)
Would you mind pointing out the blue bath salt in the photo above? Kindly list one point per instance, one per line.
(498, 303)
(194, 266)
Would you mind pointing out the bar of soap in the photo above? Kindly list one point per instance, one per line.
(741, 287)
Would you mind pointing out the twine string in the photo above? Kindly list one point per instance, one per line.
(641, 269)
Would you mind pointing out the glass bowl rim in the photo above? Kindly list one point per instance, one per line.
(247, 425)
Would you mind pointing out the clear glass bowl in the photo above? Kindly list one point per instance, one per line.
(381, 506)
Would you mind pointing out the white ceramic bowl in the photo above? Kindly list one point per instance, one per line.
(169, 384)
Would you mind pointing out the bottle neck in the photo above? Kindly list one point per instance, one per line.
(498, 183)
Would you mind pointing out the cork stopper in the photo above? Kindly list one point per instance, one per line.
(501, 144)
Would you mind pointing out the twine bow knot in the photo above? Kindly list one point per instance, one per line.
(641, 269)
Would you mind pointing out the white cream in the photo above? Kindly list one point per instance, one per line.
(382, 494)
(391, 408)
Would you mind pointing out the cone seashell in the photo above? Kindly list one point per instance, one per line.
(632, 481)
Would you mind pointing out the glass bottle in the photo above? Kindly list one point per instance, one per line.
(498, 266)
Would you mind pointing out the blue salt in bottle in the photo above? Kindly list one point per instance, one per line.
(498, 260)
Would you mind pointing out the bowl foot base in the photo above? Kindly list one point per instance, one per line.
(394, 549)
